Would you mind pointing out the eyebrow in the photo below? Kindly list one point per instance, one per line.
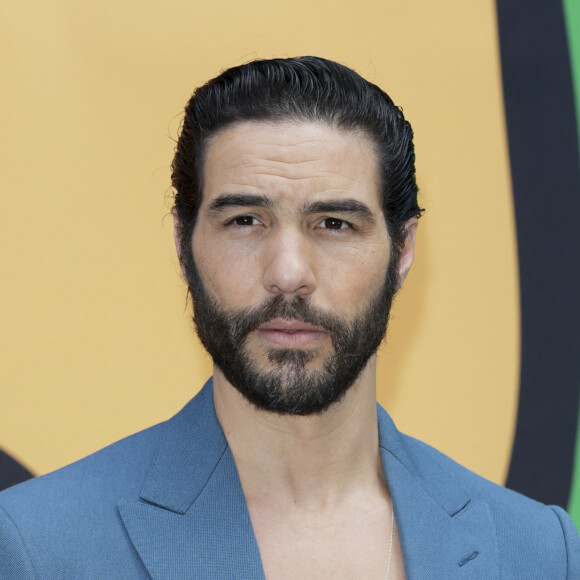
(348, 206)
(227, 200)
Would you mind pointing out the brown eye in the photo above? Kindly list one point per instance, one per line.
(244, 220)
(334, 224)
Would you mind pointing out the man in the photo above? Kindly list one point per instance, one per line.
(295, 219)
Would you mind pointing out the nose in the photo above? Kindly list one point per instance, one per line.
(288, 264)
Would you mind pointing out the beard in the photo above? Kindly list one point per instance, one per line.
(290, 386)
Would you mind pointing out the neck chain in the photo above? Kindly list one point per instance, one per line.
(391, 540)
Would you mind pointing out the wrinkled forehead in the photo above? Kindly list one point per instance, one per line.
(299, 159)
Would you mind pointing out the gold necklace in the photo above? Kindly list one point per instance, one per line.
(391, 540)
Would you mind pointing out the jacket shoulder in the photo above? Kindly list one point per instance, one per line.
(119, 466)
(524, 527)
(41, 519)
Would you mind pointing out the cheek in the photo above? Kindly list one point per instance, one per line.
(228, 273)
(353, 277)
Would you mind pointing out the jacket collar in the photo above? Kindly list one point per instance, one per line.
(192, 519)
(444, 533)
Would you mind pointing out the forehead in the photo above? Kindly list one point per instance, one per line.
(291, 161)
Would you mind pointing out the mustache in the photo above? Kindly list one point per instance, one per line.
(298, 308)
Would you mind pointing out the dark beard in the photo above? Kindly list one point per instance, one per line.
(291, 388)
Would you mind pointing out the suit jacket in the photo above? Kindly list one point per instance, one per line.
(167, 503)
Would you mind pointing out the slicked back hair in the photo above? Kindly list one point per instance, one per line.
(296, 89)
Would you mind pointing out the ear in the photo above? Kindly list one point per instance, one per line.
(408, 252)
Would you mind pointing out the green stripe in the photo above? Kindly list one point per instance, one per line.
(572, 16)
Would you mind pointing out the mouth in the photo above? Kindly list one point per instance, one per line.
(290, 333)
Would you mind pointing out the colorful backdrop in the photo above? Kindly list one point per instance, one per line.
(96, 337)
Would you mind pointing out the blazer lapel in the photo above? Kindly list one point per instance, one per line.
(444, 533)
(192, 520)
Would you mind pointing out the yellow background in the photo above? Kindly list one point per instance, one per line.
(96, 338)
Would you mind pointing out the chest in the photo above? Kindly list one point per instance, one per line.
(301, 545)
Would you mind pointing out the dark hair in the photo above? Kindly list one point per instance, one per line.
(306, 88)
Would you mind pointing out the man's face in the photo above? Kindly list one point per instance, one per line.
(292, 283)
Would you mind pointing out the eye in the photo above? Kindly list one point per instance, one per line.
(243, 221)
(335, 224)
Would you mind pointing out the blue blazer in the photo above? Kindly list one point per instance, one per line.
(167, 504)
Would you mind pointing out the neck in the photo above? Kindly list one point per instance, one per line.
(312, 461)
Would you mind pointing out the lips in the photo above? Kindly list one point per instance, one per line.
(288, 325)
(290, 333)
